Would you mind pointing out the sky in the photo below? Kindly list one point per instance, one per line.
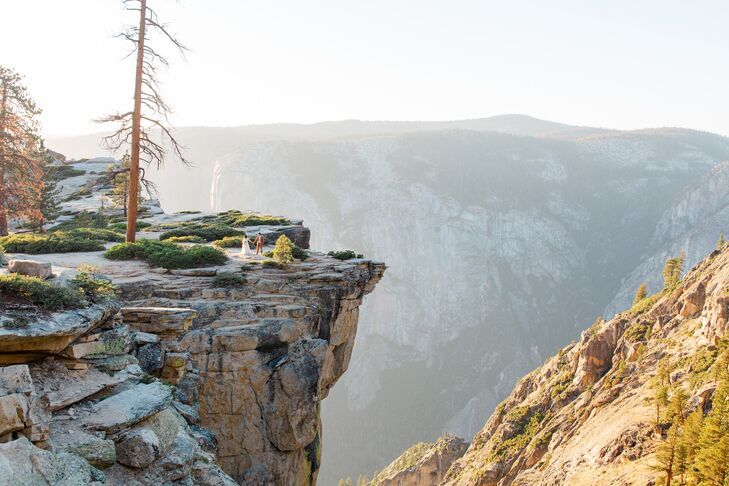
(608, 63)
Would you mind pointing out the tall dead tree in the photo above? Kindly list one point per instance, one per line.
(21, 174)
(149, 116)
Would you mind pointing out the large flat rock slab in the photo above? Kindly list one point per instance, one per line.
(51, 334)
(129, 407)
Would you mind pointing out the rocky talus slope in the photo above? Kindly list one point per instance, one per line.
(588, 415)
(177, 380)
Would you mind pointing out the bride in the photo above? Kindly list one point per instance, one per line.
(245, 249)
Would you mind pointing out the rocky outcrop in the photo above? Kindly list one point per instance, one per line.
(589, 414)
(423, 464)
(255, 361)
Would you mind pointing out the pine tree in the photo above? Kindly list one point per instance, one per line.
(672, 270)
(149, 112)
(712, 457)
(641, 293)
(690, 435)
(21, 173)
(660, 400)
(720, 244)
(669, 457)
(48, 206)
(120, 183)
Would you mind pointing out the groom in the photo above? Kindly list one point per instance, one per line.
(259, 241)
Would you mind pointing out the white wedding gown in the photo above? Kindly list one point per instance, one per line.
(245, 249)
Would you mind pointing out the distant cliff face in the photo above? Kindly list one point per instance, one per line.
(501, 247)
(592, 414)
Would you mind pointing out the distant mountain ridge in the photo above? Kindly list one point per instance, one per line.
(502, 243)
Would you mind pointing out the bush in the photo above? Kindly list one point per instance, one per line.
(50, 243)
(236, 218)
(2, 254)
(95, 289)
(91, 234)
(228, 279)
(208, 232)
(122, 226)
(167, 255)
(229, 242)
(39, 292)
(187, 211)
(185, 239)
(297, 252)
(283, 251)
(84, 219)
(66, 171)
(345, 255)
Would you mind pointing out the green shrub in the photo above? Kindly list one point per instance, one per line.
(283, 251)
(208, 232)
(185, 239)
(167, 255)
(84, 219)
(229, 242)
(2, 254)
(66, 171)
(228, 279)
(271, 264)
(122, 226)
(238, 219)
(95, 289)
(39, 292)
(129, 251)
(49, 243)
(297, 252)
(91, 234)
(187, 212)
(345, 255)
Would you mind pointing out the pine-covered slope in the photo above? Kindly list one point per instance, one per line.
(597, 413)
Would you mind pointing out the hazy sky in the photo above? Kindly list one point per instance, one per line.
(612, 63)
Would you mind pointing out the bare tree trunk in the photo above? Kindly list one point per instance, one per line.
(3, 209)
(136, 127)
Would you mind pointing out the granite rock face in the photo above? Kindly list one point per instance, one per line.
(259, 359)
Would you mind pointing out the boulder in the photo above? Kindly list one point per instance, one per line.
(14, 411)
(31, 268)
(15, 379)
(148, 440)
(97, 451)
(129, 407)
(150, 357)
(23, 464)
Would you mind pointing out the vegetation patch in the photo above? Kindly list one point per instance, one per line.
(345, 255)
(229, 242)
(122, 226)
(66, 172)
(228, 280)
(84, 219)
(167, 255)
(100, 234)
(186, 239)
(645, 305)
(638, 332)
(208, 232)
(40, 293)
(93, 288)
(526, 424)
(48, 243)
(238, 219)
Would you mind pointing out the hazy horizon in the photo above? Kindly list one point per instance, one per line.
(622, 65)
